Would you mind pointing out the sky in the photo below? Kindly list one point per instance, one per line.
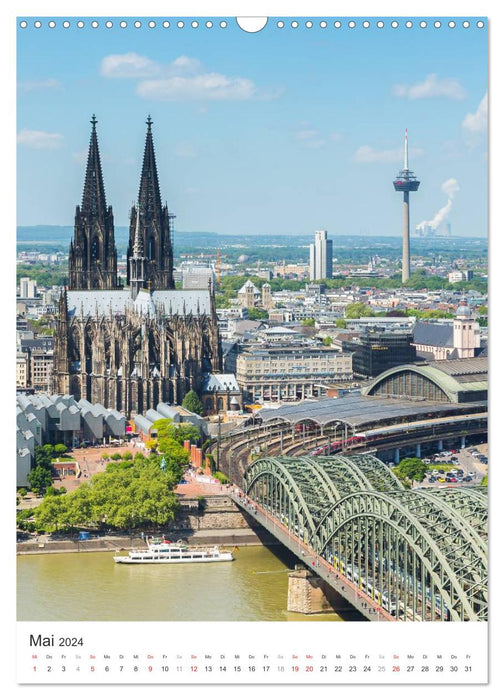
(287, 130)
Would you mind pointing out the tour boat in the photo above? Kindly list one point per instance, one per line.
(166, 552)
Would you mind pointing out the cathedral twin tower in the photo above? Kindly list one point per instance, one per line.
(130, 347)
(93, 254)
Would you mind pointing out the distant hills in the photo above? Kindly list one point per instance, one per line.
(264, 247)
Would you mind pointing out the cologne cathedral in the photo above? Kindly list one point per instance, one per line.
(129, 347)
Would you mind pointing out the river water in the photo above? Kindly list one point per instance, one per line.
(91, 586)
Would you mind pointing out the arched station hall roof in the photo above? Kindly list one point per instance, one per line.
(456, 379)
(358, 411)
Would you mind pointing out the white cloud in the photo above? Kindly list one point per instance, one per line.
(39, 139)
(128, 65)
(207, 86)
(185, 78)
(31, 85)
(432, 86)
(367, 154)
(185, 64)
(477, 122)
(310, 138)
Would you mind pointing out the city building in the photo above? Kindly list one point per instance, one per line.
(374, 352)
(130, 348)
(198, 278)
(221, 394)
(455, 339)
(321, 257)
(27, 288)
(249, 295)
(460, 276)
(290, 373)
(41, 370)
(50, 419)
(22, 367)
(291, 271)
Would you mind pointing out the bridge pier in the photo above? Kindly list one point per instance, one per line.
(419, 450)
(397, 457)
(308, 594)
(462, 442)
(440, 445)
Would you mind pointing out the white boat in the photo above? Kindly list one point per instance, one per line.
(166, 552)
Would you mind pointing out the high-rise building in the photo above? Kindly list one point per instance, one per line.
(321, 255)
(27, 288)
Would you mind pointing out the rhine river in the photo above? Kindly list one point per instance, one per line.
(91, 586)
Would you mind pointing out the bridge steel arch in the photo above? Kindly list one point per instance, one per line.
(420, 554)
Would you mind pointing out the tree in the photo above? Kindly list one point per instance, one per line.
(43, 456)
(127, 495)
(191, 402)
(257, 314)
(341, 323)
(60, 449)
(410, 469)
(39, 479)
(357, 310)
(174, 450)
(310, 322)
(327, 341)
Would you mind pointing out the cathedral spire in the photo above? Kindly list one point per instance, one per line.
(149, 196)
(93, 197)
(153, 228)
(92, 260)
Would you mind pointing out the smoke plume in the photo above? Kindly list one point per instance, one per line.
(449, 188)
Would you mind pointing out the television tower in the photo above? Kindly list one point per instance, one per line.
(406, 182)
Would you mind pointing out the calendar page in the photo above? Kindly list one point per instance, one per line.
(252, 341)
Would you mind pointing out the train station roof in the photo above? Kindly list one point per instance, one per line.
(359, 411)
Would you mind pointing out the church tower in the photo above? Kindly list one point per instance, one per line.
(92, 262)
(154, 230)
(466, 337)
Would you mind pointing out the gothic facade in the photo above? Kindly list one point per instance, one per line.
(131, 347)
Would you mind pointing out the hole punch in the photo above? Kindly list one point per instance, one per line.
(251, 24)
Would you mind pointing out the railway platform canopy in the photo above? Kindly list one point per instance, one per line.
(359, 411)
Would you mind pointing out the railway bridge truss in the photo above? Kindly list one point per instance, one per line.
(420, 554)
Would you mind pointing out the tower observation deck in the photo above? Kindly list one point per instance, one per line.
(406, 182)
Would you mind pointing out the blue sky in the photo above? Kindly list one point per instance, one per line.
(286, 130)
